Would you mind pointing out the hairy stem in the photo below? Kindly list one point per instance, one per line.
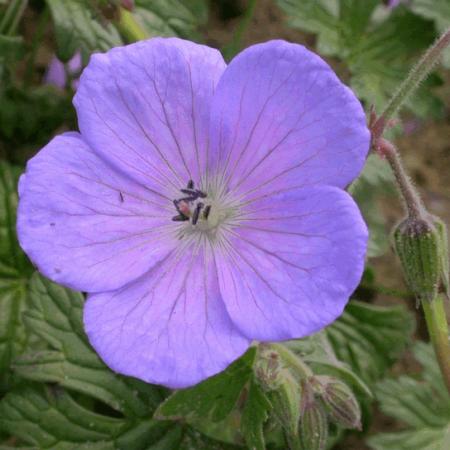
(409, 194)
(419, 72)
(439, 334)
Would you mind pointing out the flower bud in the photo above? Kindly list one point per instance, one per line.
(340, 403)
(268, 369)
(313, 429)
(418, 244)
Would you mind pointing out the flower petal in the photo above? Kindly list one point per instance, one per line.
(84, 224)
(281, 118)
(293, 263)
(145, 108)
(170, 327)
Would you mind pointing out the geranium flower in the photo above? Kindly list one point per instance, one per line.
(201, 206)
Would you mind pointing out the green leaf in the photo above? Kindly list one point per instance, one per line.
(171, 17)
(55, 315)
(370, 338)
(439, 12)
(379, 49)
(423, 405)
(215, 397)
(254, 415)
(72, 414)
(14, 270)
(79, 27)
(376, 179)
(48, 417)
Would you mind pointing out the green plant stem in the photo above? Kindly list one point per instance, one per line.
(130, 27)
(293, 361)
(12, 16)
(419, 72)
(439, 334)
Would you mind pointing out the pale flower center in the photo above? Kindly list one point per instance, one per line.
(204, 212)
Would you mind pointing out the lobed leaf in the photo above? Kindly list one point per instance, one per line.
(14, 271)
(171, 17)
(79, 27)
(55, 315)
(379, 49)
(422, 404)
(370, 338)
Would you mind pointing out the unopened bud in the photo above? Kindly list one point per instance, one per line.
(313, 430)
(268, 369)
(418, 246)
(340, 403)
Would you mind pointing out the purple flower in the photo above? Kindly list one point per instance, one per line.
(57, 72)
(201, 206)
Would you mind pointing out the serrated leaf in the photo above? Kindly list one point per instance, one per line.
(423, 404)
(55, 315)
(370, 338)
(48, 417)
(14, 270)
(254, 415)
(214, 397)
(378, 51)
(171, 17)
(79, 27)
(439, 12)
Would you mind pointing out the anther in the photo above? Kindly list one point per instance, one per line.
(206, 212)
(196, 214)
(190, 184)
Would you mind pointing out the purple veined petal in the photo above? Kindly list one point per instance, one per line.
(145, 108)
(85, 225)
(170, 327)
(281, 118)
(290, 266)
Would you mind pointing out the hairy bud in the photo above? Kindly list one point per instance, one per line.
(340, 403)
(420, 245)
(313, 429)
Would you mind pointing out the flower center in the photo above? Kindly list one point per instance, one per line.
(204, 211)
(192, 206)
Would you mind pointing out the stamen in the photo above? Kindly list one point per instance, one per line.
(180, 218)
(206, 212)
(190, 184)
(196, 214)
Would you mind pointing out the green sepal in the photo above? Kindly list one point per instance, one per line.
(418, 246)
(340, 403)
(313, 430)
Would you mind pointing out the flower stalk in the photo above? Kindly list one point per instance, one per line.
(421, 239)
(439, 334)
(419, 73)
